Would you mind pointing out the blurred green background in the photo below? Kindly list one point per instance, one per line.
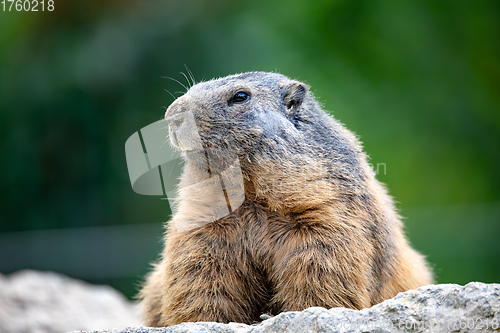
(418, 81)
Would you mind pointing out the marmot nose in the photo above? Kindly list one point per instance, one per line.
(175, 115)
(177, 107)
(170, 110)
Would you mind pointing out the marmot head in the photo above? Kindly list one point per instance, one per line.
(261, 118)
(237, 111)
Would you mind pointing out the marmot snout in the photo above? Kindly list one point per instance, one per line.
(310, 225)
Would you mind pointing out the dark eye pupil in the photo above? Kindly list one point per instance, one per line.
(240, 97)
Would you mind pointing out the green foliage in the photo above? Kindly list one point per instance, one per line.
(418, 81)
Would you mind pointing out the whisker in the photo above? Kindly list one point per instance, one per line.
(171, 78)
(190, 74)
(164, 108)
(170, 93)
(188, 82)
(164, 143)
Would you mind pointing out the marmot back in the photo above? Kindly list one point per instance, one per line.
(313, 227)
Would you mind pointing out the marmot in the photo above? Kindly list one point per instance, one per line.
(315, 228)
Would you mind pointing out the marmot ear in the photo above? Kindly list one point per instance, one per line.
(293, 94)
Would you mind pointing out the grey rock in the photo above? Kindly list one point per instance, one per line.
(474, 307)
(40, 302)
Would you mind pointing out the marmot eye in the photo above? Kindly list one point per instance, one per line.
(239, 97)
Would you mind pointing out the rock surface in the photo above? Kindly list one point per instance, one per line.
(39, 302)
(435, 308)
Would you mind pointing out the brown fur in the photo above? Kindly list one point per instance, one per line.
(315, 228)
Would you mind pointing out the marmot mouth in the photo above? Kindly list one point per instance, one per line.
(184, 144)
